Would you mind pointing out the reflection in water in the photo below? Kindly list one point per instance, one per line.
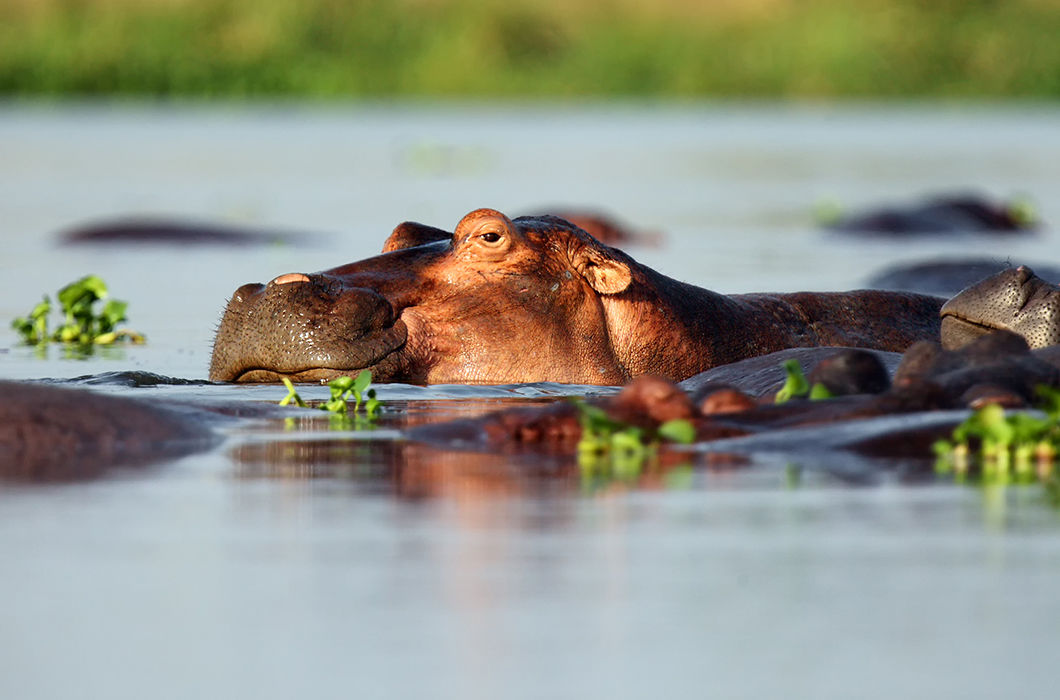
(398, 415)
(381, 461)
(408, 470)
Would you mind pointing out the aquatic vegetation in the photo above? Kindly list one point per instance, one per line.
(342, 388)
(796, 386)
(609, 447)
(292, 395)
(82, 324)
(1006, 446)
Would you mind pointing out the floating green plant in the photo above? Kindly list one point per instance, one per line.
(342, 388)
(1005, 446)
(611, 448)
(796, 386)
(83, 324)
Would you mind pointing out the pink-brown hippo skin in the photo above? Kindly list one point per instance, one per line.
(529, 300)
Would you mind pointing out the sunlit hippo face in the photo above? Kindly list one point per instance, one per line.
(496, 301)
(1015, 299)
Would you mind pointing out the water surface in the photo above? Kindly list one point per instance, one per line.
(320, 563)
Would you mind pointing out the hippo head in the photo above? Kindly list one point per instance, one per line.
(1015, 299)
(497, 301)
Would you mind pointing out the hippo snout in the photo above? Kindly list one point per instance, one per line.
(306, 327)
(1016, 300)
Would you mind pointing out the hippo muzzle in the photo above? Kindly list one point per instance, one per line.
(1016, 300)
(306, 328)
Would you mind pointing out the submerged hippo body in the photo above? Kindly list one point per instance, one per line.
(534, 299)
(57, 433)
(943, 214)
(946, 277)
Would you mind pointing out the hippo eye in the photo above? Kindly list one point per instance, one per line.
(490, 237)
(490, 242)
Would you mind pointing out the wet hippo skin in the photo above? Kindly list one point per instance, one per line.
(1014, 300)
(50, 433)
(995, 368)
(534, 299)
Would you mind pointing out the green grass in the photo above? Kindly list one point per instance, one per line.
(519, 48)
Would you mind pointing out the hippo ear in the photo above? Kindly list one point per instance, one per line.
(410, 234)
(605, 273)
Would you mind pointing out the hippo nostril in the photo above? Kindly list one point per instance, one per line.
(1024, 274)
(290, 277)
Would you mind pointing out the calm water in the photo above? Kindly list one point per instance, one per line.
(326, 564)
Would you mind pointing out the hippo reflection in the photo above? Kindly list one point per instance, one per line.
(534, 299)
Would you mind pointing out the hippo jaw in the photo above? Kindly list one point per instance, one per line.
(1015, 300)
(306, 329)
(381, 353)
(957, 332)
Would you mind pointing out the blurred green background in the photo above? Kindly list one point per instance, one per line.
(519, 48)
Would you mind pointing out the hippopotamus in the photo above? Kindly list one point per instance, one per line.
(55, 433)
(160, 231)
(1015, 300)
(995, 368)
(941, 214)
(526, 300)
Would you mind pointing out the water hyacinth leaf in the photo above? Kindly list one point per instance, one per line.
(371, 406)
(95, 286)
(338, 404)
(679, 430)
(795, 384)
(81, 324)
(993, 426)
(113, 313)
(1013, 446)
(1049, 401)
(942, 448)
(335, 405)
(34, 327)
(1027, 428)
(594, 420)
(42, 308)
(819, 392)
(362, 381)
(364, 378)
(339, 385)
(292, 394)
(85, 291)
(628, 442)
